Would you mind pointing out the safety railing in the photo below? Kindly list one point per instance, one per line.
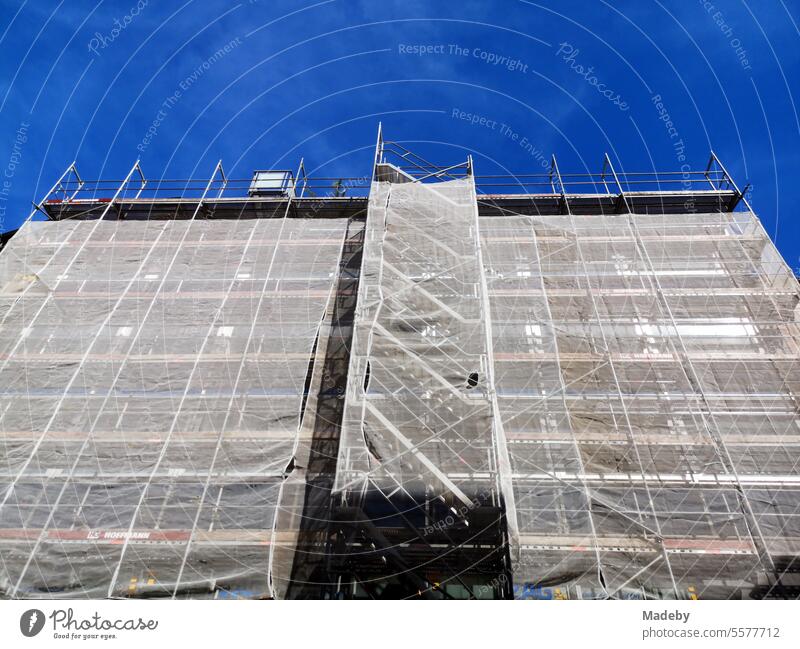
(714, 178)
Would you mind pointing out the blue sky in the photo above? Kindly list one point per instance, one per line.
(313, 79)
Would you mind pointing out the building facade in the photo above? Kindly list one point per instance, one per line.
(423, 383)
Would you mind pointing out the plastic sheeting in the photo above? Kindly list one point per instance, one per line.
(633, 395)
(151, 380)
(419, 412)
(648, 380)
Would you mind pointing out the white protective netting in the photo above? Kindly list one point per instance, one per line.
(627, 383)
(151, 379)
(648, 380)
(419, 416)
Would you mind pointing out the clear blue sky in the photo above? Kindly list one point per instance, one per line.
(313, 79)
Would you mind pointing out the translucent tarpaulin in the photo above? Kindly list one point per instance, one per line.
(419, 421)
(618, 394)
(420, 395)
(647, 377)
(151, 383)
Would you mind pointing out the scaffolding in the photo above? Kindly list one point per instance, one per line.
(418, 383)
(421, 447)
(153, 375)
(647, 365)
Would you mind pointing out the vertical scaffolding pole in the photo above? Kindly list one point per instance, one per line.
(301, 171)
(378, 158)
